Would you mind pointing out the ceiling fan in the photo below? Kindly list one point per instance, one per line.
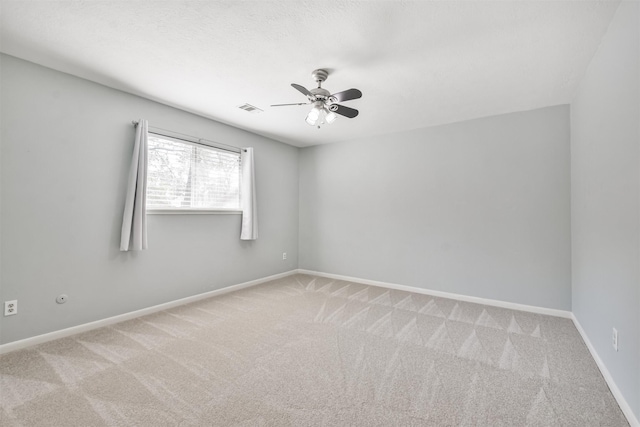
(325, 105)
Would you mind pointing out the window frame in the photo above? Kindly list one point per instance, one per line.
(184, 139)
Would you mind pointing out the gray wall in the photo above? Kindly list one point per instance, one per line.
(605, 189)
(478, 208)
(66, 151)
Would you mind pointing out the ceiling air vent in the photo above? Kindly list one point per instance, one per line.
(250, 108)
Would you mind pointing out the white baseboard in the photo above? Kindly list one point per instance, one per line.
(50, 336)
(441, 294)
(624, 405)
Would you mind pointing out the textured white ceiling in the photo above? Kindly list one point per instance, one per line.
(418, 63)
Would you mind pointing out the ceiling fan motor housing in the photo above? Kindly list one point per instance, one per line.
(320, 93)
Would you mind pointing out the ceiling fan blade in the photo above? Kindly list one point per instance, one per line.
(284, 105)
(346, 95)
(343, 111)
(301, 89)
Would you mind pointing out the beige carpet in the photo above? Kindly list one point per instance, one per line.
(312, 351)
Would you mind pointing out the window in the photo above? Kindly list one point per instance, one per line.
(187, 176)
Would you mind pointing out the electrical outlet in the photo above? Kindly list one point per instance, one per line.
(11, 307)
(615, 339)
(284, 255)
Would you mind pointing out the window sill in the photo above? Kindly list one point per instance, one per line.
(194, 212)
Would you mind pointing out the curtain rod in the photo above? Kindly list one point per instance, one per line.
(172, 134)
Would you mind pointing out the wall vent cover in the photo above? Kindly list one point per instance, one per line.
(250, 108)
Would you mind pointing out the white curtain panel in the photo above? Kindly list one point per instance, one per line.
(248, 197)
(134, 221)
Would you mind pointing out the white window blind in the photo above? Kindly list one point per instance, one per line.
(183, 175)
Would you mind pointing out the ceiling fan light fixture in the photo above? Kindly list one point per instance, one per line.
(315, 114)
(330, 116)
